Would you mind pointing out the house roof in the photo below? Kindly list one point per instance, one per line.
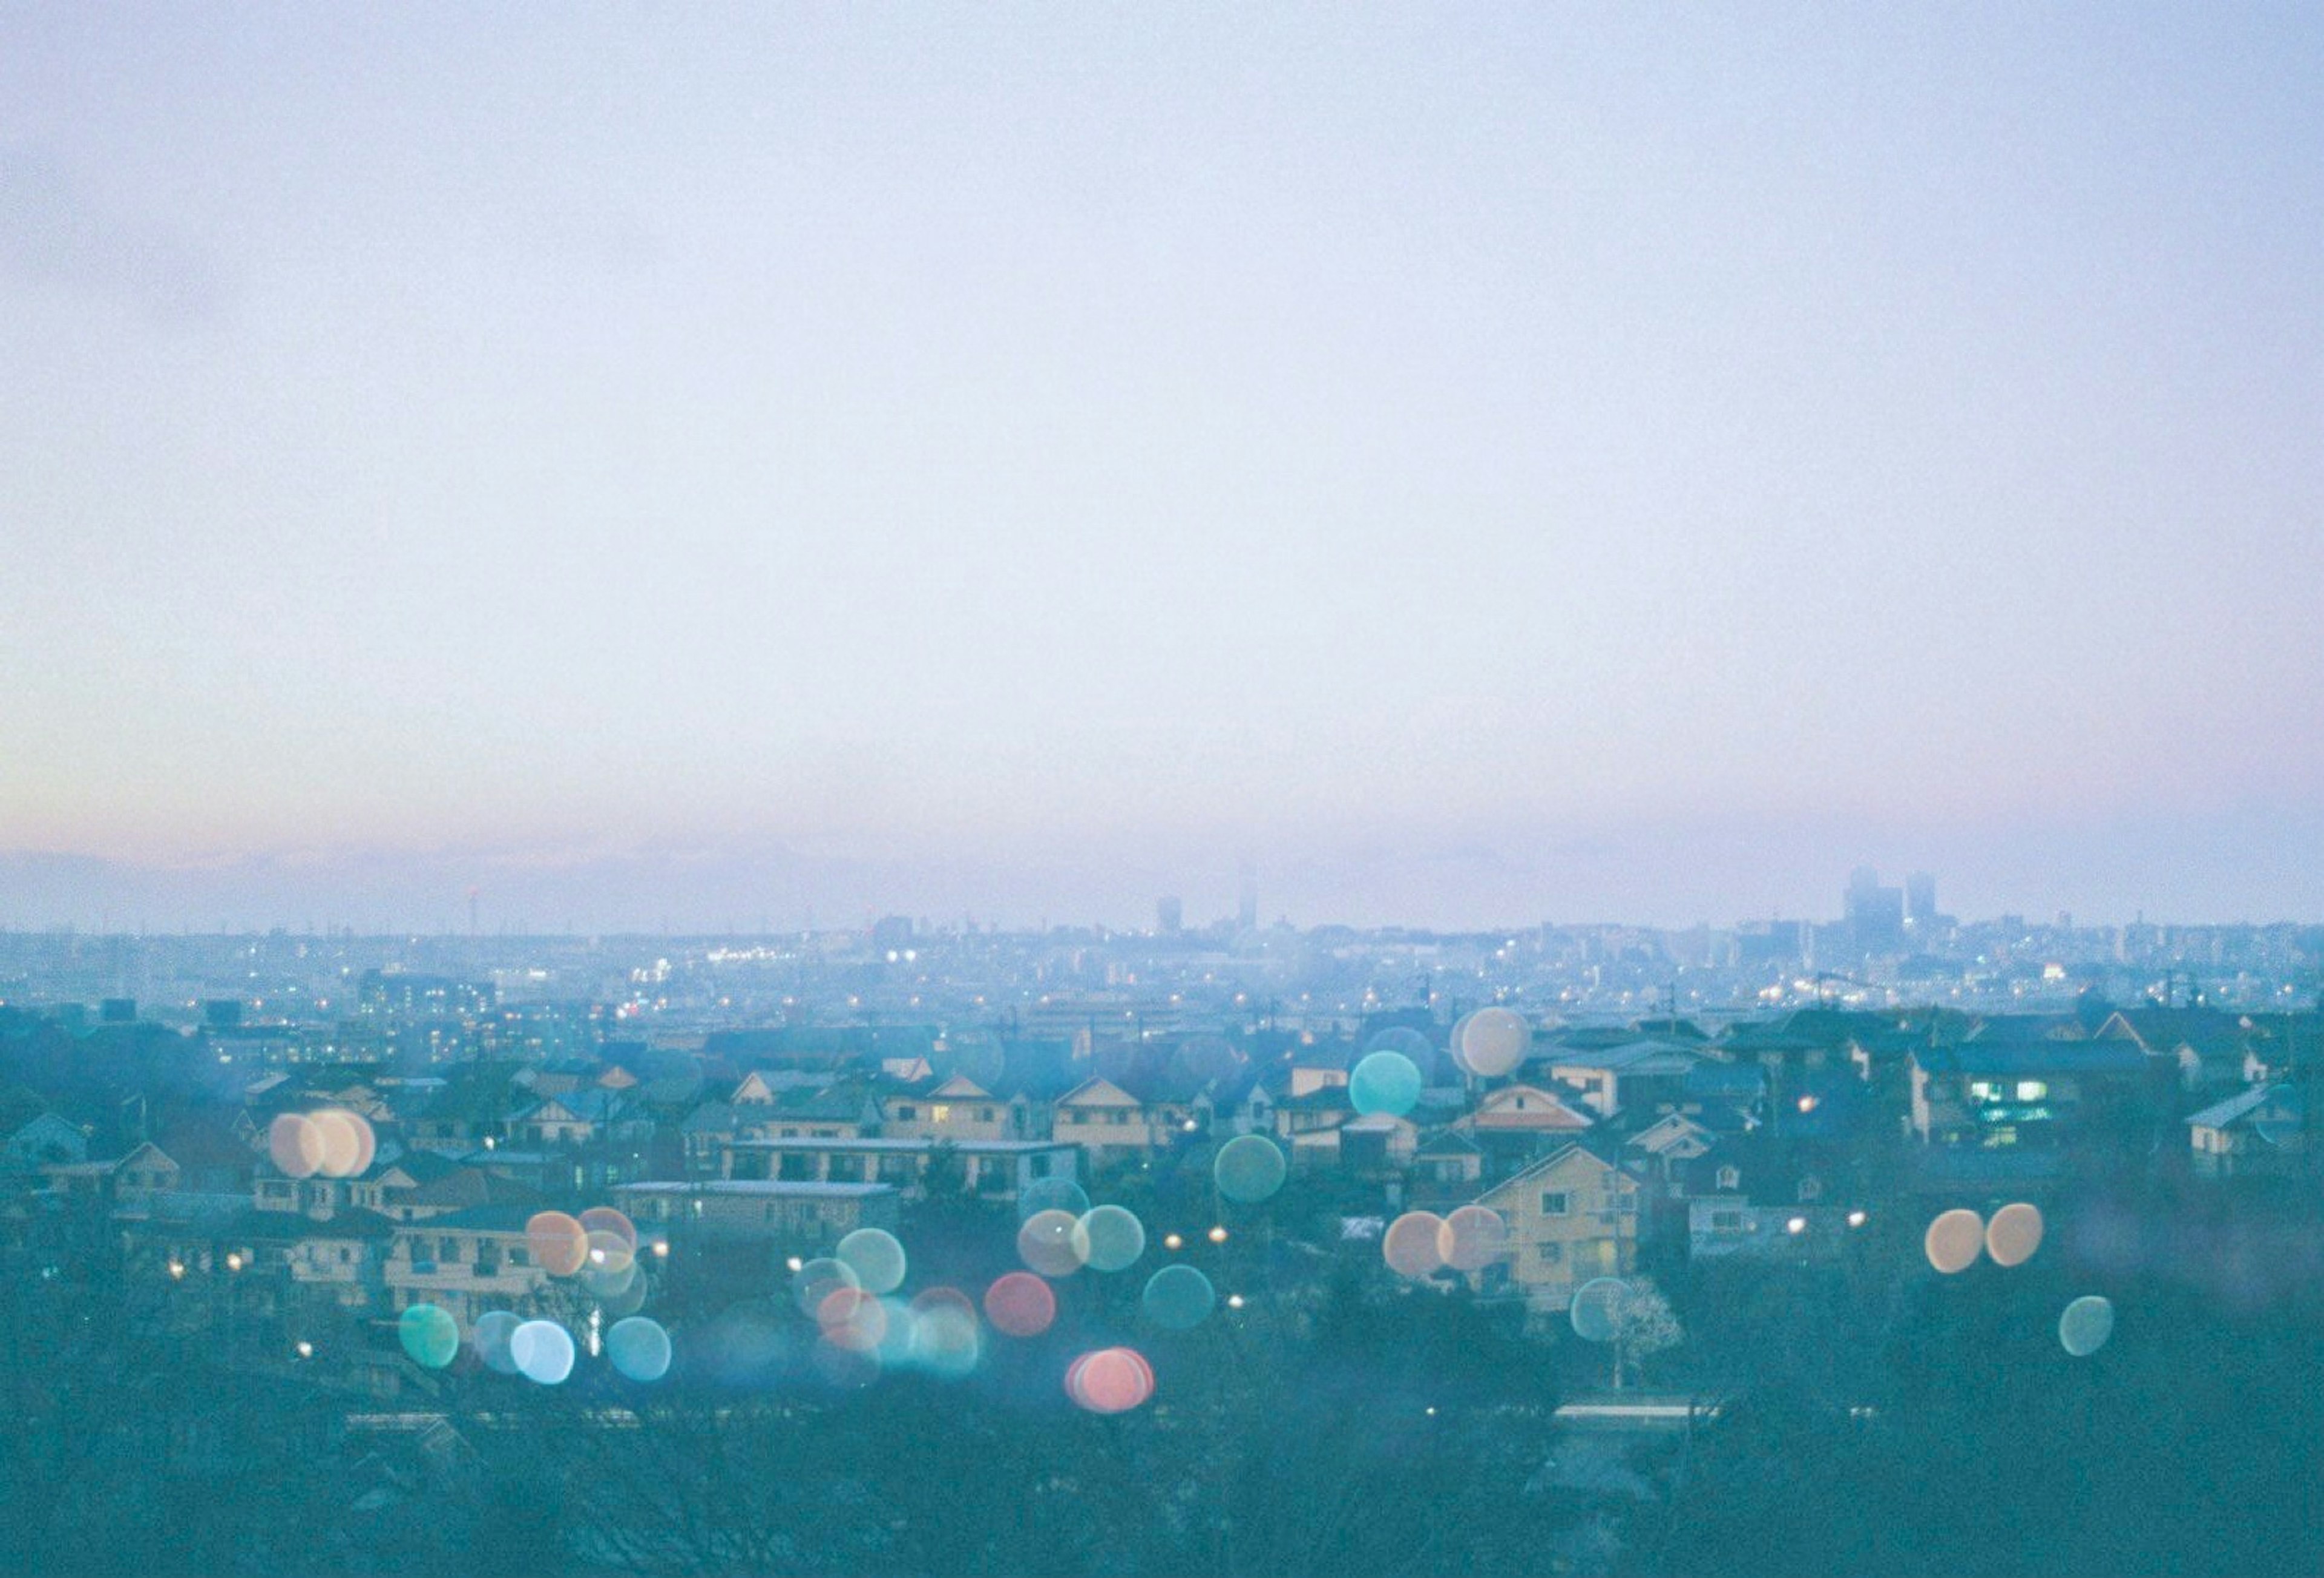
(759, 1189)
(2243, 1104)
(1645, 1059)
(1548, 1163)
(1449, 1142)
(2011, 1055)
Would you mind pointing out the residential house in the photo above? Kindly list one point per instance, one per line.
(2259, 1131)
(1573, 1217)
(953, 1107)
(2012, 1090)
(466, 1262)
(803, 1218)
(997, 1171)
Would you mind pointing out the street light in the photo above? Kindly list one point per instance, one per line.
(176, 1270)
(1218, 1235)
(1172, 1242)
(233, 1260)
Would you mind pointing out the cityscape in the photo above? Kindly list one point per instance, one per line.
(1160, 791)
(610, 1246)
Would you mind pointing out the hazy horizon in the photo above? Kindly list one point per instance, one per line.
(692, 468)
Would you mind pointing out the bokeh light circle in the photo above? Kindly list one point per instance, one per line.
(559, 1244)
(429, 1335)
(1492, 1042)
(852, 1318)
(490, 1338)
(1020, 1305)
(543, 1351)
(946, 1339)
(1597, 1309)
(294, 1145)
(1108, 1238)
(814, 1282)
(1045, 1242)
(2014, 1234)
(607, 1218)
(1052, 1194)
(1955, 1240)
(2085, 1326)
(608, 1251)
(1473, 1237)
(1178, 1298)
(639, 1348)
(1413, 1245)
(1249, 1169)
(1386, 1083)
(875, 1257)
(614, 1281)
(346, 1141)
(1110, 1380)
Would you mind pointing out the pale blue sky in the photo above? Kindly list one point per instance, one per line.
(1493, 464)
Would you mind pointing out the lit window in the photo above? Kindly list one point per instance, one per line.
(2032, 1090)
(942, 1115)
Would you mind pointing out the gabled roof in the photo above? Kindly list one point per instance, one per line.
(1526, 1106)
(1097, 1091)
(2244, 1103)
(1672, 1132)
(1556, 1158)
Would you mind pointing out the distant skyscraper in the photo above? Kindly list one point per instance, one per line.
(1876, 915)
(1247, 911)
(1169, 916)
(1919, 900)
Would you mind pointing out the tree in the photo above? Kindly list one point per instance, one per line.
(1644, 1325)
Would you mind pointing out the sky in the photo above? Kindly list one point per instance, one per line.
(665, 465)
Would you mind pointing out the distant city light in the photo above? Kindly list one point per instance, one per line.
(1218, 1235)
(1856, 1219)
(1171, 1241)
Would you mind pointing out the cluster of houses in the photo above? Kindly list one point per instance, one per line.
(1772, 1138)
